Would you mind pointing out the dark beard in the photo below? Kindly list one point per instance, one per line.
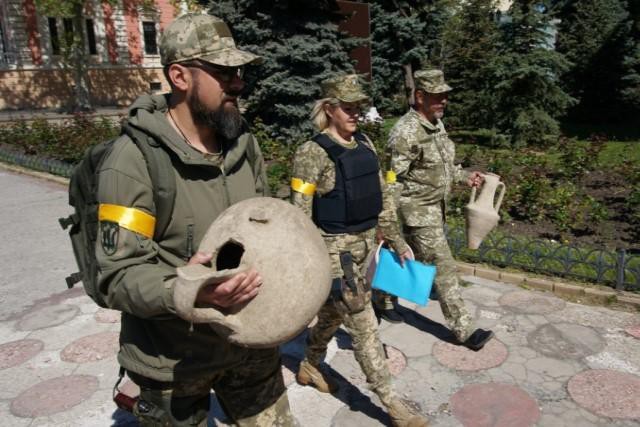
(226, 121)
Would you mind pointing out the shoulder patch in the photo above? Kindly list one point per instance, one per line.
(109, 234)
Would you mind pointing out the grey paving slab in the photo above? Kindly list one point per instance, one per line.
(544, 344)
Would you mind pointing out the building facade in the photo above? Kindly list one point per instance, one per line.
(121, 41)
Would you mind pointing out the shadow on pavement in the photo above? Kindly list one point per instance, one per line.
(427, 325)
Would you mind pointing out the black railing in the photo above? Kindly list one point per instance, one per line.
(56, 167)
(617, 269)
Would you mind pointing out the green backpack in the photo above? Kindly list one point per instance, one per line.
(83, 190)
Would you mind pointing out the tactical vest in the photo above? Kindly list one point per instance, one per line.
(356, 200)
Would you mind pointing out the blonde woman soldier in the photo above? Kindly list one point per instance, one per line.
(338, 183)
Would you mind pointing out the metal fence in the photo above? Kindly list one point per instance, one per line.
(43, 164)
(617, 269)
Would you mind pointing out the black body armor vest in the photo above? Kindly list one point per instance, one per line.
(356, 200)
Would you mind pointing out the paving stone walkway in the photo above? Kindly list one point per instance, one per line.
(552, 363)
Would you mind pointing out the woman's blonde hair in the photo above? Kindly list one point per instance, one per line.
(319, 115)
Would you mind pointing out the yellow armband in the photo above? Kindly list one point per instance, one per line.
(300, 186)
(391, 177)
(130, 218)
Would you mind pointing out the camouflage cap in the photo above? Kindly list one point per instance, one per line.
(431, 81)
(345, 88)
(204, 37)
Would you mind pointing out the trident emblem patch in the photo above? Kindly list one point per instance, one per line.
(109, 232)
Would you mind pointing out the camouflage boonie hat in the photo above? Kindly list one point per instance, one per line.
(204, 37)
(345, 88)
(431, 81)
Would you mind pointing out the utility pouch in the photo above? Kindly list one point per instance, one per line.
(353, 294)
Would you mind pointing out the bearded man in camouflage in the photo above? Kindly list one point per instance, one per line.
(198, 125)
(423, 172)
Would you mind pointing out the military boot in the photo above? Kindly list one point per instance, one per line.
(312, 375)
(403, 416)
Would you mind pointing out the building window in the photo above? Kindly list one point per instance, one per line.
(6, 55)
(150, 37)
(53, 36)
(91, 38)
(67, 27)
(67, 24)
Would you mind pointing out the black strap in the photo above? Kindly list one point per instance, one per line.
(162, 176)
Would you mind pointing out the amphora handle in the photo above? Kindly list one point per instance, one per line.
(191, 278)
(500, 187)
(473, 195)
(498, 202)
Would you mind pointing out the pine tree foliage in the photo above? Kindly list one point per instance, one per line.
(405, 35)
(301, 46)
(630, 81)
(470, 46)
(592, 35)
(528, 97)
(397, 37)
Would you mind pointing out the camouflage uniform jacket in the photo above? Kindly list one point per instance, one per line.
(422, 156)
(312, 164)
(137, 278)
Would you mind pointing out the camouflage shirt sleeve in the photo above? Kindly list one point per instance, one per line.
(460, 175)
(311, 165)
(388, 218)
(259, 170)
(403, 150)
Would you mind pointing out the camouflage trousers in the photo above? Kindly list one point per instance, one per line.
(430, 245)
(367, 348)
(251, 394)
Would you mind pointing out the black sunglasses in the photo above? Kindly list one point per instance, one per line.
(224, 74)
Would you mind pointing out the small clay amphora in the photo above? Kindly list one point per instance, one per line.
(284, 246)
(482, 210)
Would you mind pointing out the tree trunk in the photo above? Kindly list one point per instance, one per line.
(409, 84)
(79, 61)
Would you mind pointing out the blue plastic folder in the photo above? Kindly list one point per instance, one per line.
(412, 282)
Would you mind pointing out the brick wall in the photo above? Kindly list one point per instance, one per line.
(34, 89)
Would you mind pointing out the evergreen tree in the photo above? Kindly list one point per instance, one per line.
(301, 46)
(528, 96)
(630, 81)
(396, 47)
(470, 41)
(592, 36)
(405, 35)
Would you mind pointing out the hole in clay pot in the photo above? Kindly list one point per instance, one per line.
(229, 255)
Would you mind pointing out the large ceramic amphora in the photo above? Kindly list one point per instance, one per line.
(285, 247)
(482, 210)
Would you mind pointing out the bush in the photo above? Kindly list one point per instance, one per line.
(277, 155)
(534, 128)
(578, 157)
(483, 137)
(66, 141)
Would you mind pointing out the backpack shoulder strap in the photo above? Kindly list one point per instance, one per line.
(162, 176)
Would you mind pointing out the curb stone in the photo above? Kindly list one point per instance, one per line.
(610, 298)
(565, 289)
(487, 273)
(37, 174)
(514, 278)
(538, 283)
